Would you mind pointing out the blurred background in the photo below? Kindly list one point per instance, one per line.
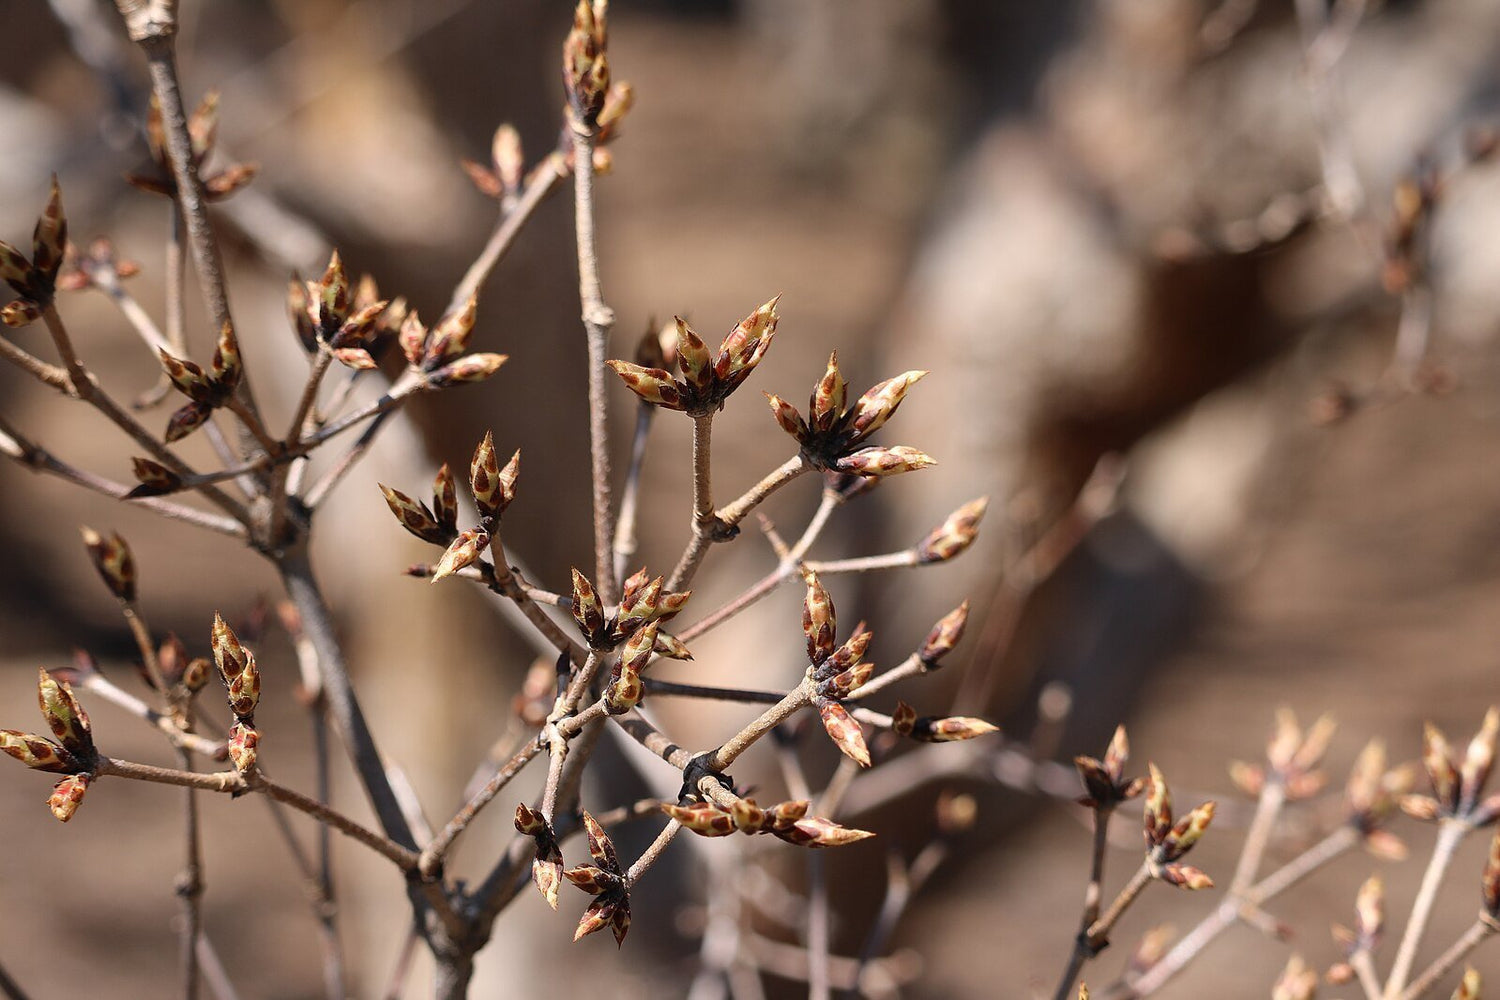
(1171, 236)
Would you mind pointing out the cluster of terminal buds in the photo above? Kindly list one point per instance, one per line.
(34, 280)
(707, 379)
(834, 434)
(203, 132)
(242, 682)
(72, 754)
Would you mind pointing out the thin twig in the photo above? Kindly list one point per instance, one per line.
(1093, 898)
(597, 321)
(625, 537)
(1450, 834)
(1478, 932)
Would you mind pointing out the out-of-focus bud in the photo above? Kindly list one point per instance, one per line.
(955, 534)
(112, 558)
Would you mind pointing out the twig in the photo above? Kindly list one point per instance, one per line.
(652, 853)
(1093, 898)
(625, 538)
(233, 782)
(545, 180)
(9, 987)
(1472, 938)
(190, 885)
(597, 321)
(1450, 834)
(213, 970)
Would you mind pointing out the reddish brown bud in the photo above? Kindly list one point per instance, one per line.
(703, 818)
(243, 743)
(844, 731)
(450, 337)
(155, 479)
(465, 551)
(944, 636)
(15, 269)
(237, 667)
(828, 397)
(413, 339)
(818, 620)
(955, 534)
(787, 416)
(470, 368)
(112, 559)
(414, 516)
(904, 718)
(37, 752)
(186, 420)
(445, 500)
(878, 405)
(588, 610)
(20, 312)
(50, 238)
(881, 462)
(67, 796)
(1185, 877)
(65, 716)
(226, 368)
(693, 359)
(654, 385)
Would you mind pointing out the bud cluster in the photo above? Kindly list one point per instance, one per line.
(605, 881)
(35, 281)
(547, 864)
(351, 321)
(1458, 786)
(786, 821)
(642, 603)
(1167, 842)
(1105, 780)
(835, 673)
(242, 683)
(203, 131)
(71, 751)
(833, 435)
(206, 390)
(707, 379)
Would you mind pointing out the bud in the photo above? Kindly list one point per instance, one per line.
(1438, 760)
(185, 420)
(15, 269)
(844, 731)
(412, 338)
(465, 551)
(450, 337)
(155, 479)
(955, 534)
(333, 296)
(1479, 759)
(881, 462)
(50, 238)
(1158, 807)
(37, 752)
(1468, 987)
(472, 368)
(65, 717)
(816, 831)
(672, 647)
(818, 620)
(703, 818)
(67, 796)
(828, 397)
(20, 312)
(1296, 982)
(1369, 912)
(746, 344)
(414, 516)
(904, 719)
(506, 154)
(243, 743)
(693, 359)
(114, 562)
(878, 405)
(493, 487)
(654, 385)
(944, 636)
(188, 378)
(951, 729)
(226, 367)
(1185, 877)
(237, 667)
(445, 500)
(787, 416)
(588, 610)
